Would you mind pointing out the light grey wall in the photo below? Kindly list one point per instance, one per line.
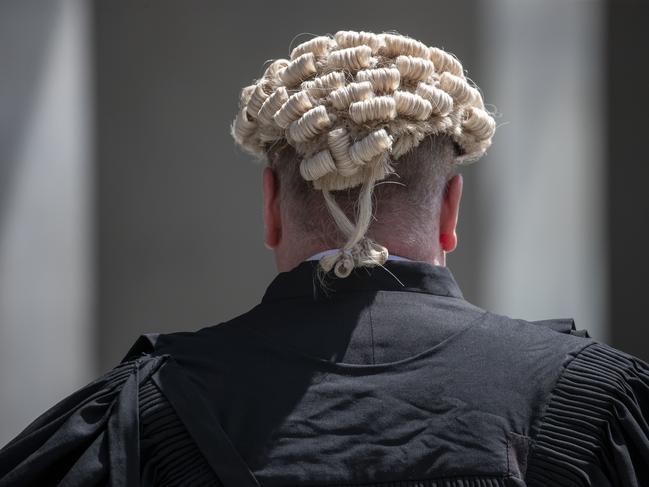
(542, 189)
(46, 286)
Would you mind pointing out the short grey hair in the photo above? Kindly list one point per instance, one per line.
(408, 201)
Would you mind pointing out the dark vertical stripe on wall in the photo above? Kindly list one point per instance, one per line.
(628, 174)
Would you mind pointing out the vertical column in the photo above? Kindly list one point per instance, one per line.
(542, 184)
(45, 238)
(628, 174)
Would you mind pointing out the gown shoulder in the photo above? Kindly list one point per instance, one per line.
(91, 437)
(595, 426)
(121, 429)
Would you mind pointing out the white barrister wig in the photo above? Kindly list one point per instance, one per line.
(350, 105)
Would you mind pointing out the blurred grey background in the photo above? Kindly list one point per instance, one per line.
(125, 208)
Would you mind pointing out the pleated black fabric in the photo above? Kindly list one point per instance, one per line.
(387, 379)
(89, 438)
(448, 482)
(595, 430)
(170, 456)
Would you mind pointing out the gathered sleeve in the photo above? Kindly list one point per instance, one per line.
(89, 438)
(595, 428)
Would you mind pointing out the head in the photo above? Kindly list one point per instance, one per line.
(362, 134)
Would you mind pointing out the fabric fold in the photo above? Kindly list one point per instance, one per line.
(89, 438)
(202, 423)
(170, 456)
(595, 429)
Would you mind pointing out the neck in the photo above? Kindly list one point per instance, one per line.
(288, 257)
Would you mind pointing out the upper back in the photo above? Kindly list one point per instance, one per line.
(376, 384)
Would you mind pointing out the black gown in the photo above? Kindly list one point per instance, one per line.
(382, 378)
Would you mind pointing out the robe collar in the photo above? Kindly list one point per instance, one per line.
(396, 275)
(333, 251)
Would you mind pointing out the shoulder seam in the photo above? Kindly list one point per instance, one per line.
(542, 413)
(587, 387)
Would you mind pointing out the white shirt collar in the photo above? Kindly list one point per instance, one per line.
(333, 251)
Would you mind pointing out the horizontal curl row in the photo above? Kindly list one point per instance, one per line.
(380, 108)
(312, 123)
(297, 113)
(323, 85)
(459, 89)
(385, 108)
(295, 106)
(347, 38)
(353, 81)
(256, 100)
(412, 105)
(479, 123)
(445, 61)
(398, 44)
(441, 102)
(272, 105)
(388, 45)
(370, 146)
(344, 158)
(318, 46)
(414, 68)
(345, 96)
(350, 50)
(242, 128)
(350, 58)
(301, 68)
(383, 80)
(272, 71)
(360, 101)
(317, 166)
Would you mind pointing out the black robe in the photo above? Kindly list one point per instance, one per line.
(388, 377)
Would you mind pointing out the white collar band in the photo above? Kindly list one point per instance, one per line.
(333, 251)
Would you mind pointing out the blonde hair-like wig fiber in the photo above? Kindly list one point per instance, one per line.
(351, 104)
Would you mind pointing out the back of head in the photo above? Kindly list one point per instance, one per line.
(350, 111)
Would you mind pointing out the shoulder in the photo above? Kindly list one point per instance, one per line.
(188, 347)
(553, 341)
(513, 364)
(595, 422)
(557, 328)
(88, 437)
(588, 402)
(116, 428)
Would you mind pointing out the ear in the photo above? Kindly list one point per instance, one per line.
(272, 215)
(449, 212)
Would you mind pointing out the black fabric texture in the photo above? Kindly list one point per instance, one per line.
(386, 378)
(170, 456)
(89, 438)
